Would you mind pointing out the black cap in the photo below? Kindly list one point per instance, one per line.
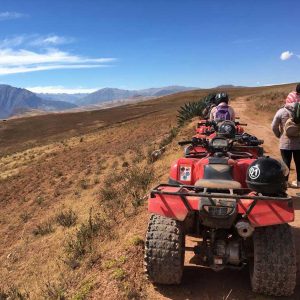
(298, 88)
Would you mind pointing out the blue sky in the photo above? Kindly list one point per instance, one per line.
(73, 45)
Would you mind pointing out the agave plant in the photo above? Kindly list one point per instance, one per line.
(192, 109)
(189, 110)
(209, 99)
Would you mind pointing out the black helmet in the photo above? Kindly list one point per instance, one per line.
(298, 88)
(221, 97)
(227, 129)
(267, 176)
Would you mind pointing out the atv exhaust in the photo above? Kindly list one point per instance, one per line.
(244, 229)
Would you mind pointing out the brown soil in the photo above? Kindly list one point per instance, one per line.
(54, 162)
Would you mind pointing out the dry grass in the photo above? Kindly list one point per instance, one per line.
(103, 166)
(269, 101)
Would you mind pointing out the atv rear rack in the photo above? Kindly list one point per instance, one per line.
(194, 191)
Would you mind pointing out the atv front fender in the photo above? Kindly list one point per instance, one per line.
(176, 202)
(172, 206)
(266, 213)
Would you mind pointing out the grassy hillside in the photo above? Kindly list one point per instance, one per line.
(72, 193)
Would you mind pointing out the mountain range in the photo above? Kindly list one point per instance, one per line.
(72, 98)
(114, 94)
(19, 100)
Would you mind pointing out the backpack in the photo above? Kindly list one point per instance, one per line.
(292, 125)
(223, 113)
(297, 113)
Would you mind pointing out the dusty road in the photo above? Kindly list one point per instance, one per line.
(201, 283)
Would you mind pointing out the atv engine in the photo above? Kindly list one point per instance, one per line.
(226, 253)
(219, 252)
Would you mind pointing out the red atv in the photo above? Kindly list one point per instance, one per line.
(209, 128)
(239, 209)
(242, 144)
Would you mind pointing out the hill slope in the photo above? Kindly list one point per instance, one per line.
(15, 100)
(73, 215)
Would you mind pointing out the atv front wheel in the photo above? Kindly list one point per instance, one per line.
(164, 250)
(273, 270)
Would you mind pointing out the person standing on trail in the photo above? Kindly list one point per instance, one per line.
(289, 144)
(222, 111)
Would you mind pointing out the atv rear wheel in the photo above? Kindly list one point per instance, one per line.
(273, 270)
(164, 250)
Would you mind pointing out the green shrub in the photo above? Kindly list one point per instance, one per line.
(77, 246)
(44, 228)
(190, 110)
(25, 217)
(84, 184)
(54, 290)
(119, 274)
(66, 218)
(133, 184)
(13, 293)
(137, 241)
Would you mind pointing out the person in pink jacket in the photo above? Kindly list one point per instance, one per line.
(294, 96)
(222, 111)
(289, 146)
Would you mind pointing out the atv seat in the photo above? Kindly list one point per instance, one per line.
(218, 184)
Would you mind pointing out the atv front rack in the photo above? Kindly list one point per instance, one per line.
(194, 191)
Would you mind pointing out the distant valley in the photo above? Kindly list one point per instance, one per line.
(17, 101)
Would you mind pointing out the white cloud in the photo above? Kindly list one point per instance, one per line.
(24, 61)
(16, 70)
(286, 55)
(51, 40)
(9, 57)
(32, 53)
(12, 42)
(61, 89)
(35, 40)
(10, 15)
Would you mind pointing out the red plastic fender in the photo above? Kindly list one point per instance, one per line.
(172, 206)
(266, 213)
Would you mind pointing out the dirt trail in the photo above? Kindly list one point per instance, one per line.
(202, 283)
(257, 126)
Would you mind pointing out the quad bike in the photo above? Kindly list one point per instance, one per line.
(239, 140)
(210, 128)
(239, 209)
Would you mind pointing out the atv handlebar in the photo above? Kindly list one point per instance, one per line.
(195, 142)
(214, 123)
(249, 140)
(182, 143)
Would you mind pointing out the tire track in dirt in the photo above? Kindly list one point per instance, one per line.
(202, 283)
